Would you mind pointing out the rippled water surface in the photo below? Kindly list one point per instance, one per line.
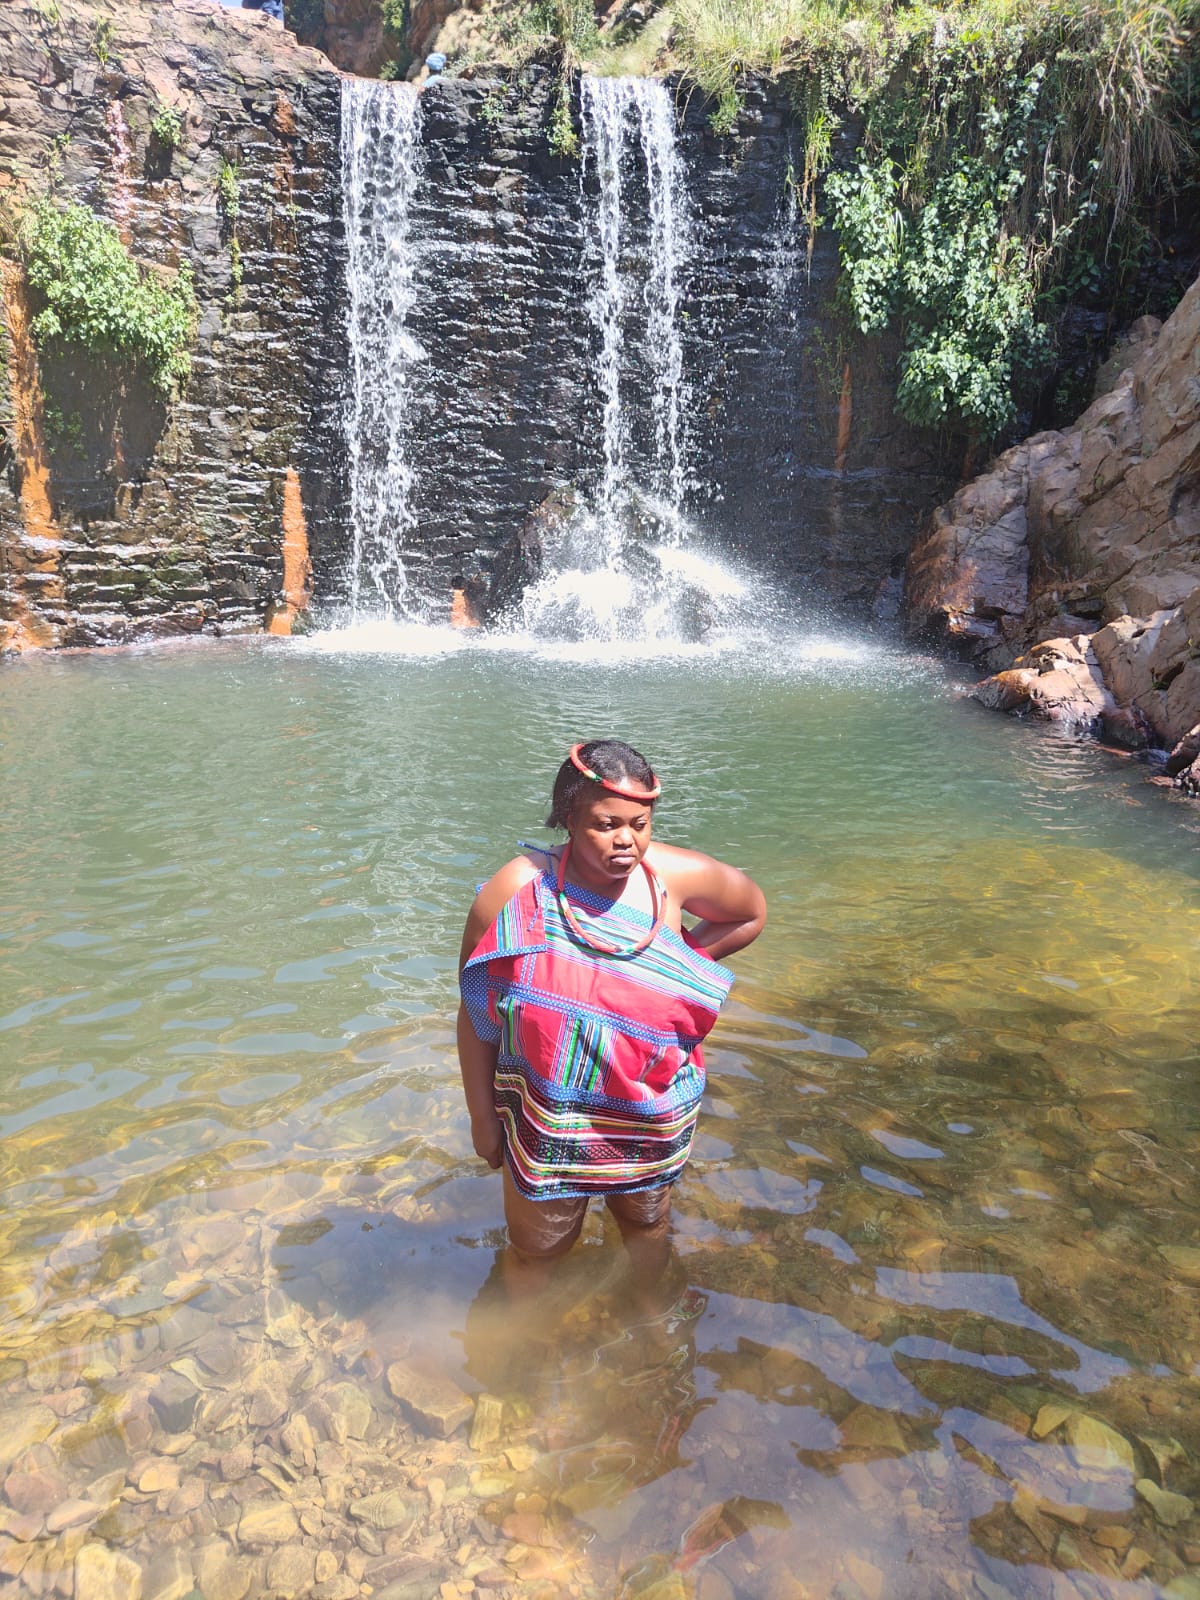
(936, 1327)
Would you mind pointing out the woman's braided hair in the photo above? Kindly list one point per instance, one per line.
(618, 762)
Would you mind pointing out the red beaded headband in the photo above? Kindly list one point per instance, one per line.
(626, 794)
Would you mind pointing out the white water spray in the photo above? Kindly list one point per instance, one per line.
(381, 170)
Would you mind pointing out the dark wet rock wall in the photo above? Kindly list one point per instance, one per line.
(122, 516)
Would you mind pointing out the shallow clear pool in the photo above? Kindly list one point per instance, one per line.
(938, 1247)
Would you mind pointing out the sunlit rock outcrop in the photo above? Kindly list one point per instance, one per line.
(1073, 564)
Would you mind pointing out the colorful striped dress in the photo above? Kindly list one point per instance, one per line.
(600, 1072)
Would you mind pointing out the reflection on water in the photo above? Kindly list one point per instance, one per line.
(933, 1326)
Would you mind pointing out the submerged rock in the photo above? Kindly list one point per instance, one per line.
(291, 1571)
(104, 1574)
(221, 1575)
(486, 1426)
(268, 1522)
(1095, 1444)
(24, 1426)
(387, 1510)
(1167, 1507)
(437, 1404)
(1184, 1260)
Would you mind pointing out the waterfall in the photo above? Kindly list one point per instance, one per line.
(623, 570)
(635, 254)
(381, 171)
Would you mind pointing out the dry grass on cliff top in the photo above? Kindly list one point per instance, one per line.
(1119, 73)
(1133, 47)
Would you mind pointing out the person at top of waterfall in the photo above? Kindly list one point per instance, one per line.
(584, 1004)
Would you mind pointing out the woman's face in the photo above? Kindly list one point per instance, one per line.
(609, 837)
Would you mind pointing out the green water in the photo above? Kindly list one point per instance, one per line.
(939, 1234)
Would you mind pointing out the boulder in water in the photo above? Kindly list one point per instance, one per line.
(1059, 682)
(519, 562)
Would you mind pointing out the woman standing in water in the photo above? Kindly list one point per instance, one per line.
(585, 1002)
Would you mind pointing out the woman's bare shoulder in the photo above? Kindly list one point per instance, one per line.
(513, 875)
(708, 887)
(671, 861)
(495, 894)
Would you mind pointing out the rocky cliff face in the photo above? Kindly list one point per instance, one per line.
(1073, 564)
(122, 516)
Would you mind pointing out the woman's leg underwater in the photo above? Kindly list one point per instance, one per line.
(540, 1232)
(644, 1219)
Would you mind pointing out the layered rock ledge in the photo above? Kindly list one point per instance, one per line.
(1071, 567)
(122, 515)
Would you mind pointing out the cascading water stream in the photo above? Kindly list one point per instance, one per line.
(635, 253)
(623, 569)
(381, 171)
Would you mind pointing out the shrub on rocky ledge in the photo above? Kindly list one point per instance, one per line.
(166, 127)
(90, 291)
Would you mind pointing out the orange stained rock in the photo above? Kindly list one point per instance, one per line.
(845, 417)
(284, 116)
(462, 612)
(283, 214)
(26, 630)
(121, 152)
(297, 565)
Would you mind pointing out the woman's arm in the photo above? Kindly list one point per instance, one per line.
(731, 907)
(477, 1057)
(477, 1062)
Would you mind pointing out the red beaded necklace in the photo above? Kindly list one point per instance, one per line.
(658, 900)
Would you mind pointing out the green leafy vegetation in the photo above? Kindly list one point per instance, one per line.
(229, 195)
(561, 33)
(1011, 150)
(1014, 154)
(166, 128)
(102, 36)
(91, 292)
(64, 430)
(229, 189)
(395, 17)
(561, 134)
(491, 107)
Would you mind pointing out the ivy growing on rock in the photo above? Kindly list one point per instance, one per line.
(948, 273)
(1010, 149)
(229, 189)
(561, 134)
(90, 291)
